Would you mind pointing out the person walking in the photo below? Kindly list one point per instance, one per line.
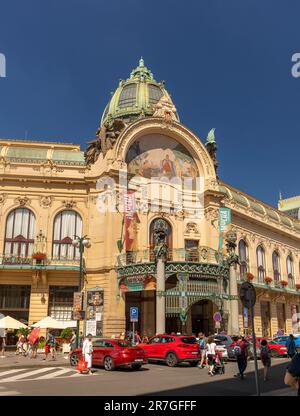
(265, 356)
(87, 352)
(203, 350)
(137, 338)
(72, 343)
(211, 354)
(49, 345)
(292, 374)
(291, 346)
(241, 353)
(3, 343)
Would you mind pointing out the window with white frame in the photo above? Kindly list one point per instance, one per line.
(243, 258)
(67, 224)
(261, 269)
(19, 233)
(276, 266)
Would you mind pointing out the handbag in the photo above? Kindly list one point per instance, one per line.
(81, 366)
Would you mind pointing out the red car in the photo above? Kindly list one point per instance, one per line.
(113, 353)
(277, 350)
(172, 349)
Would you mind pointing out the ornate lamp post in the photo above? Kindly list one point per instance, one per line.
(80, 243)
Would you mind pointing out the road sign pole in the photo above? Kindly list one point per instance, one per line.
(254, 352)
(133, 333)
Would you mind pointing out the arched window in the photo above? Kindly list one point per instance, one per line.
(243, 258)
(168, 239)
(290, 272)
(261, 268)
(19, 235)
(67, 224)
(276, 266)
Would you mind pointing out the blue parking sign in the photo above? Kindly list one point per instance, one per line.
(134, 314)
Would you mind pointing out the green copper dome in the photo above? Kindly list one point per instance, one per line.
(135, 97)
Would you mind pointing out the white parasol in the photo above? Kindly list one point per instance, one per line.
(10, 323)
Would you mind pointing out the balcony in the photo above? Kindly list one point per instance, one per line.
(276, 284)
(201, 263)
(19, 262)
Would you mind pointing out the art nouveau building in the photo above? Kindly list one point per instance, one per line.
(143, 167)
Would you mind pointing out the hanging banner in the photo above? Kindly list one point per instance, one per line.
(130, 221)
(78, 313)
(183, 300)
(224, 222)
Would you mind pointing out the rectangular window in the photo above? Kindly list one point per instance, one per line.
(191, 250)
(14, 297)
(61, 302)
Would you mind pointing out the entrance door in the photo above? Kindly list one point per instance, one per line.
(281, 316)
(202, 317)
(265, 319)
(145, 302)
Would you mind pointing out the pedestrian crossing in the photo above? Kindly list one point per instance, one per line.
(45, 373)
(5, 392)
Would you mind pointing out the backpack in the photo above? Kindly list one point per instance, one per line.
(264, 353)
(237, 350)
(202, 344)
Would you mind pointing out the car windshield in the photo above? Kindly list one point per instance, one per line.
(188, 340)
(124, 344)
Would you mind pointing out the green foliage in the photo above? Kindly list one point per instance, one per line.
(23, 331)
(66, 333)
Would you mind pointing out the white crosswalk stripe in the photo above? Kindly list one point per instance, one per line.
(20, 374)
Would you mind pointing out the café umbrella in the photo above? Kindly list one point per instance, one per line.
(10, 323)
(49, 323)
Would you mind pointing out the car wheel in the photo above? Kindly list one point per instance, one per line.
(109, 364)
(136, 366)
(274, 353)
(171, 360)
(194, 363)
(74, 360)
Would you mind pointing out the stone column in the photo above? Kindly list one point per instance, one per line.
(232, 261)
(233, 322)
(160, 297)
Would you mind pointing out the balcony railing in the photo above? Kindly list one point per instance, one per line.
(12, 260)
(260, 280)
(201, 255)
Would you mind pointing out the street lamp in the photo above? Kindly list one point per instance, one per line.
(81, 243)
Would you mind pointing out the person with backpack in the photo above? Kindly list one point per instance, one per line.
(202, 345)
(241, 353)
(49, 345)
(291, 346)
(265, 356)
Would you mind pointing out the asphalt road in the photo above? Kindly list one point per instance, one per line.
(153, 379)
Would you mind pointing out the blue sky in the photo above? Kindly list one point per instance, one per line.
(227, 64)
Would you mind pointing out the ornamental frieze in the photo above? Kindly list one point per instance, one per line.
(22, 201)
(46, 201)
(69, 203)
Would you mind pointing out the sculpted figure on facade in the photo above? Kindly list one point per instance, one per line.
(106, 137)
(160, 234)
(166, 109)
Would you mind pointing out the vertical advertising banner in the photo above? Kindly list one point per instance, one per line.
(130, 221)
(224, 222)
(78, 306)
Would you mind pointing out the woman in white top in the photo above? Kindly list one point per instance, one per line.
(87, 352)
(211, 353)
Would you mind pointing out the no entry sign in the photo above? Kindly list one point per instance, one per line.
(217, 317)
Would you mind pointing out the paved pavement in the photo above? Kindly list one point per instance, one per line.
(151, 380)
(11, 360)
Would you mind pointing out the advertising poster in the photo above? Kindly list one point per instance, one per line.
(78, 313)
(130, 221)
(94, 311)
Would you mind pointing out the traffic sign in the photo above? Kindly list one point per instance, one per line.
(247, 294)
(134, 314)
(217, 317)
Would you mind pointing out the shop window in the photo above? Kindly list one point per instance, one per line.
(19, 236)
(243, 258)
(276, 266)
(67, 224)
(261, 269)
(61, 302)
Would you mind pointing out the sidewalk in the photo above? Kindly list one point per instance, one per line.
(15, 361)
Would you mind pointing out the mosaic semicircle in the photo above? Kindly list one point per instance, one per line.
(156, 155)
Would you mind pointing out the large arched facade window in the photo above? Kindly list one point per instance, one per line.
(243, 258)
(261, 266)
(276, 266)
(67, 224)
(168, 240)
(290, 272)
(19, 235)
